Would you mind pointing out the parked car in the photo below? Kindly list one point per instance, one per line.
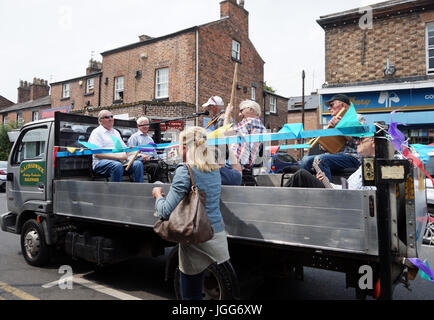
(3, 174)
(282, 162)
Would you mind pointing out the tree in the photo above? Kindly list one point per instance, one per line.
(5, 144)
(268, 88)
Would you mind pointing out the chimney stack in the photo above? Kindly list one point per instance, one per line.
(32, 91)
(94, 66)
(236, 13)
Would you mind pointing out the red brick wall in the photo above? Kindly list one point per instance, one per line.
(176, 53)
(275, 121)
(77, 94)
(216, 67)
(401, 38)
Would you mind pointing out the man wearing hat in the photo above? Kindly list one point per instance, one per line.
(215, 106)
(347, 157)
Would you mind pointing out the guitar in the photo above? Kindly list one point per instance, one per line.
(325, 181)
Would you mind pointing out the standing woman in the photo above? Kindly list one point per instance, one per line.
(194, 259)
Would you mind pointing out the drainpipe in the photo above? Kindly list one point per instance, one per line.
(197, 74)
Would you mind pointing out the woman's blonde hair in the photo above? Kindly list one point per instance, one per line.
(199, 154)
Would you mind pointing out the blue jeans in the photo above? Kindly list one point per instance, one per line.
(115, 170)
(191, 286)
(330, 162)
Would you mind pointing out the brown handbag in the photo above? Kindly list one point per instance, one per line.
(188, 223)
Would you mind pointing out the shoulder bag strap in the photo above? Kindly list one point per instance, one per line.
(190, 172)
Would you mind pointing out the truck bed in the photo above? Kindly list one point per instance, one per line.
(336, 220)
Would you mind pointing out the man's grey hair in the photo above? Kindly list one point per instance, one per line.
(251, 104)
(101, 113)
(142, 119)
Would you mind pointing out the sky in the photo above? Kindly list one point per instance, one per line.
(54, 40)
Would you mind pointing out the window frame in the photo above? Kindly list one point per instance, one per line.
(20, 148)
(66, 91)
(19, 117)
(92, 89)
(160, 94)
(33, 115)
(237, 53)
(117, 96)
(274, 110)
(429, 27)
(5, 119)
(253, 94)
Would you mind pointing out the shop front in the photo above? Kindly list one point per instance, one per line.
(413, 104)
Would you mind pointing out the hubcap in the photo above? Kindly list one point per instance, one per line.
(32, 243)
(211, 287)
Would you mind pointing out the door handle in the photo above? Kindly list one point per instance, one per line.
(10, 176)
(41, 186)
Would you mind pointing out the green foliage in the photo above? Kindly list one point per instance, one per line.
(268, 88)
(5, 144)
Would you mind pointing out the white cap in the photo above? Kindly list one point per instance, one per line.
(214, 101)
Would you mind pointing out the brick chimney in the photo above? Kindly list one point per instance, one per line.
(39, 89)
(236, 13)
(94, 66)
(23, 92)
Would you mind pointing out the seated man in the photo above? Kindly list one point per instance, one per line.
(141, 138)
(246, 153)
(304, 179)
(111, 163)
(215, 106)
(347, 157)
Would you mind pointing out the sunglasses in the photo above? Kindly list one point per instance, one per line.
(143, 125)
(107, 117)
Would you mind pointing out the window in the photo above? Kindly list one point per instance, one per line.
(119, 89)
(19, 117)
(90, 85)
(32, 146)
(5, 119)
(273, 108)
(236, 48)
(35, 115)
(65, 91)
(253, 93)
(430, 47)
(162, 83)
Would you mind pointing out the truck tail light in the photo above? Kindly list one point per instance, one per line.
(377, 292)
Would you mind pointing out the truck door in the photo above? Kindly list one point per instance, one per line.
(27, 172)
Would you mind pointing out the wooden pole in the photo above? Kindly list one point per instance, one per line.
(229, 109)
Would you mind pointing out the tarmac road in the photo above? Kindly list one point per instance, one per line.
(143, 279)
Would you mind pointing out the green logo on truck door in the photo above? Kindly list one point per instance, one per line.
(32, 173)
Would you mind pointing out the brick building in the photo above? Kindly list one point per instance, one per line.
(311, 116)
(185, 67)
(33, 99)
(382, 57)
(78, 93)
(275, 110)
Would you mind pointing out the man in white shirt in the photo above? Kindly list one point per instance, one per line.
(111, 163)
(141, 138)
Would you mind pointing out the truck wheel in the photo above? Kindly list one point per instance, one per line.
(33, 246)
(219, 283)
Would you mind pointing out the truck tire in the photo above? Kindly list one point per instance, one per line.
(219, 283)
(35, 250)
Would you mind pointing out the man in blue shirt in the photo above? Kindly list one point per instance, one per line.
(141, 138)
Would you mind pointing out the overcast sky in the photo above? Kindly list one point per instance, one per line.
(54, 40)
